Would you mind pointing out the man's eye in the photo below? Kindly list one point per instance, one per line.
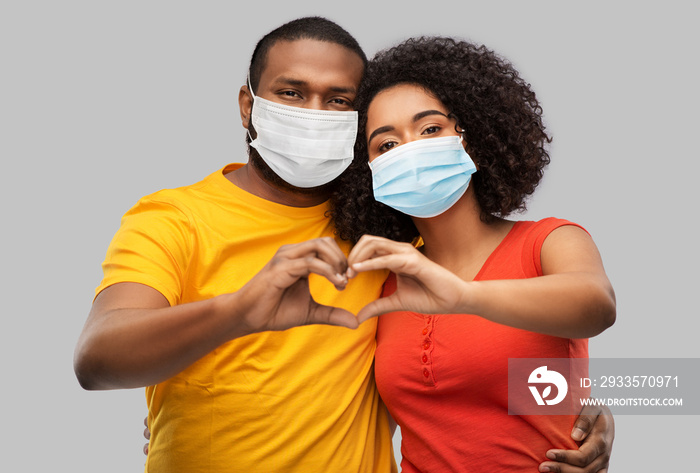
(341, 104)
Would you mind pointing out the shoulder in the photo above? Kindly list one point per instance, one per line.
(536, 232)
(552, 229)
(538, 238)
(547, 225)
(180, 202)
(164, 204)
(567, 245)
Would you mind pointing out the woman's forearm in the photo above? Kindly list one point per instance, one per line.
(570, 305)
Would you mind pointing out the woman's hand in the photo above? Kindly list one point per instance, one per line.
(571, 299)
(421, 285)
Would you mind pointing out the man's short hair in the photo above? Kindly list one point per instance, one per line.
(313, 27)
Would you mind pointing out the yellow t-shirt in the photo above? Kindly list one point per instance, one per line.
(299, 400)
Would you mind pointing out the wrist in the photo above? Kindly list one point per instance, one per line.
(468, 302)
(230, 308)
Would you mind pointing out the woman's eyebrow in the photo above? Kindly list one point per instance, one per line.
(416, 117)
(380, 130)
(426, 113)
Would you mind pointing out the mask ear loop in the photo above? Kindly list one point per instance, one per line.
(250, 89)
(461, 132)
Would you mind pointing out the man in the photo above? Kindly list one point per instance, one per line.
(207, 294)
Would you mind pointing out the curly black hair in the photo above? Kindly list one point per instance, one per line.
(496, 108)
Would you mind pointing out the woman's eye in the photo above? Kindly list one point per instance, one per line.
(431, 129)
(386, 146)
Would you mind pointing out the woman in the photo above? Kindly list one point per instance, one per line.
(455, 143)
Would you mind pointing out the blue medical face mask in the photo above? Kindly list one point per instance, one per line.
(422, 178)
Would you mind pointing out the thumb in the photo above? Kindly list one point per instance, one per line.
(378, 307)
(329, 315)
(585, 422)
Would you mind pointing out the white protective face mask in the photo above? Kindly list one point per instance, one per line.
(306, 148)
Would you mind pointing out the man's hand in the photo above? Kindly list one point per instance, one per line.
(146, 435)
(133, 336)
(278, 297)
(595, 426)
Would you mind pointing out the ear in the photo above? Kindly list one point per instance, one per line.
(245, 105)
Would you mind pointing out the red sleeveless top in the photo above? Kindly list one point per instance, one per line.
(444, 378)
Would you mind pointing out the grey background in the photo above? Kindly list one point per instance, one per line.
(103, 102)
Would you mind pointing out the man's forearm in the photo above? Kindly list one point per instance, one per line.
(132, 347)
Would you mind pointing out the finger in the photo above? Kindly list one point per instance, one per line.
(582, 427)
(402, 263)
(374, 247)
(147, 435)
(585, 455)
(328, 315)
(597, 432)
(370, 247)
(293, 270)
(330, 249)
(595, 467)
(585, 421)
(325, 248)
(377, 308)
(364, 245)
(601, 419)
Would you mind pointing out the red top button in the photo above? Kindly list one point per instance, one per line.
(425, 331)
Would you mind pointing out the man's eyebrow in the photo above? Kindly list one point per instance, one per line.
(416, 117)
(303, 83)
(290, 81)
(344, 90)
